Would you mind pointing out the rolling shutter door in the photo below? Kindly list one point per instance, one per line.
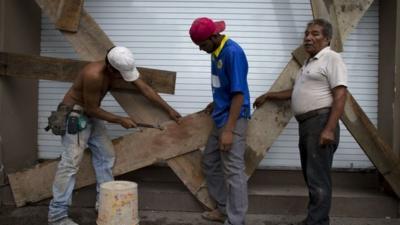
(268, 30)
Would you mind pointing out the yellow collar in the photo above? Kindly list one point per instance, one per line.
(221, 46)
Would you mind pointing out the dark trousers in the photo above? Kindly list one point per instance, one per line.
(316, 162)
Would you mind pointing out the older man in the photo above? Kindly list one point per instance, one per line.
(318, 99)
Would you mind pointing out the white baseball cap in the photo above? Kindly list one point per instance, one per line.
(121, 58)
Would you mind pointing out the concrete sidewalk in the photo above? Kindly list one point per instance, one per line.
(37, 215)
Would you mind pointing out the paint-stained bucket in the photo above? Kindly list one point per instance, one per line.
(118, 203)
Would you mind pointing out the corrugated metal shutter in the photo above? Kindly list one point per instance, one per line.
(268, 30)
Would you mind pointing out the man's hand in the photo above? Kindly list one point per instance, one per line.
(174, 115)
(209, 108)
(273, 95)
(260, 100)
(327, 137)
(127, 122)
(226, 140)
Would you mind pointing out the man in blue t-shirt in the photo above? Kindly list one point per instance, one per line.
(223, 157)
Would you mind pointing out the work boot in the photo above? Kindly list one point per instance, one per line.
(63, 221)
(214, 215)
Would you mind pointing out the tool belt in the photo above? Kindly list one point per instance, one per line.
(77, 120)
(67, 118)
(57, 121)
(305, 116)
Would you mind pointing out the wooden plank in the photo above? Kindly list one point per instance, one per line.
(367, 136)
(49, 68)
(188, 168)
(133, 151)
(349, 13)
(325, 9)
(198, 169)
(159, 78)
(300, 55)
(68, 15)
(343, 14)
(269, 120)
(39, 67)
(90, 41)
(140, 108)
(84, 38)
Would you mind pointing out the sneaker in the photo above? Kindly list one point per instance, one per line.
(63, 221)
(214, 215)
(96, 206)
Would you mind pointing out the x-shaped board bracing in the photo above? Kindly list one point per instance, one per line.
(266, 124)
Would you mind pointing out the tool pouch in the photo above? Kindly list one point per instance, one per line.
(77, 121)
(58, 119)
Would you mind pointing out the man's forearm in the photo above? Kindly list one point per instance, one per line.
(151, 95)
(234, 111)
(100, 113)
(339, 100)
(280, 95)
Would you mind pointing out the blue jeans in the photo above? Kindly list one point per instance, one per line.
(95, 137)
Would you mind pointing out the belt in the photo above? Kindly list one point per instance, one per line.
(305, 116)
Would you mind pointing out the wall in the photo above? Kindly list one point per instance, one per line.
(157, 33)
(389, 80)
(20, 33)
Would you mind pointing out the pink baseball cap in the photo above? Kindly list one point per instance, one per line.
(202, 28)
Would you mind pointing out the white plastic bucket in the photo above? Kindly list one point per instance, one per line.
(118, 203)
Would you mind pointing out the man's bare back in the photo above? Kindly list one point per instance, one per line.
(95, 71)
(92, 84)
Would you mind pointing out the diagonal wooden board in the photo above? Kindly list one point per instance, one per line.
(133, 151)
(91, 43)
(275, 115)
(368, 137)
(85, 43)
(356, 121)
(268, 121)
(348, 14)
(68, 15)
(197, 183)
(321, 10)
(49, 68)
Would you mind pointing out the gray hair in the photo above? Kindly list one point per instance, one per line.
(326, 27)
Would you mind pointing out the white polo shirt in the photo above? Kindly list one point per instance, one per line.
(316, 79)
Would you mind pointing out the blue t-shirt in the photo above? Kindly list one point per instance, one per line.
(229, 76)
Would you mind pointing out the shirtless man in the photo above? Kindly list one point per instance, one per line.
(85, 96)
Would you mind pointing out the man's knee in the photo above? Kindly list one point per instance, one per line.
(234, 168)
(320, 195)
(70, 163)
(209, 167)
